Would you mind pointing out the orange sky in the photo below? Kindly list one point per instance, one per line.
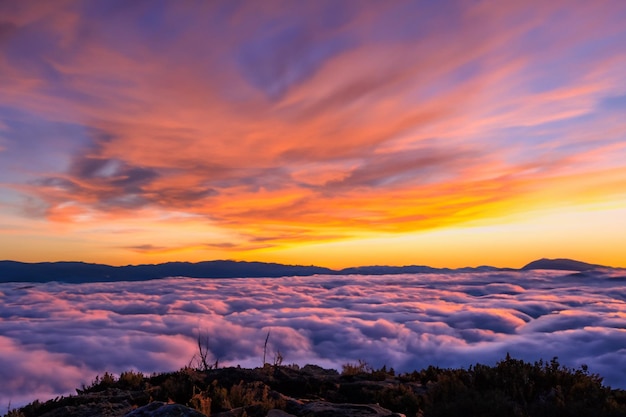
(329, 133)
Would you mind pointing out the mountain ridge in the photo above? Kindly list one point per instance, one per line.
(562, 264)
(82, 272)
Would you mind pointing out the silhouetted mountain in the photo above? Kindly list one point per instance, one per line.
(77, 272)
(561, 265)
(411, 269)
(385, 270)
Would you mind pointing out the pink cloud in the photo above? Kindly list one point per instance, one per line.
(203, 135)
(444, 320)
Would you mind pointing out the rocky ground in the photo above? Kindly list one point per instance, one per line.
(226, 392)
(511, 388)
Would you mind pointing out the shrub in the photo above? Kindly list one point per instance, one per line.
(131, 380)
(359, 368)
(201, 401)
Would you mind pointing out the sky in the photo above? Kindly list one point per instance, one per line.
(58, 336)
(336, 133)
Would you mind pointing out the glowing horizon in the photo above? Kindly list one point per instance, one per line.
(323, 133)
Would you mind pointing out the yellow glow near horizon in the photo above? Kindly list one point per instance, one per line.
(592, 235)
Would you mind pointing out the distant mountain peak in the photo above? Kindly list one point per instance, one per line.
(78, 272)
(561, 264)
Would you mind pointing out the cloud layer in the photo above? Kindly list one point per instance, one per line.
(54, 337)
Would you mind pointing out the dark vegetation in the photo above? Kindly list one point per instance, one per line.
(510, 388)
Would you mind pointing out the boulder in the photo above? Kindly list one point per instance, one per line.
(278, 413)
(111, 402)
(161, 409)
(326, 409)
(235, 412)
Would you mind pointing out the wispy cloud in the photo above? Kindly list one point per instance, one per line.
(393, 117)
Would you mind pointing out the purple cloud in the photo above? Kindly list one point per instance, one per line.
(404, 321)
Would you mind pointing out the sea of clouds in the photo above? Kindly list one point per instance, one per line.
(54, 337)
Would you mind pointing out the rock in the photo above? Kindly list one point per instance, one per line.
(326, 409)
(278, 413)
(160, 409)
(235, 412)
(316, 370)
(108, 403)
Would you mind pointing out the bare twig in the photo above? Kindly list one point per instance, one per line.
(200, 360)
(265, 347)
(278, 358)
(203, 350)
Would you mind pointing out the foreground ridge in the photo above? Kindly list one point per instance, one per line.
(510, 388)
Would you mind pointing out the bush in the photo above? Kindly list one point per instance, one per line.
(131, 380)
(359, 368)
